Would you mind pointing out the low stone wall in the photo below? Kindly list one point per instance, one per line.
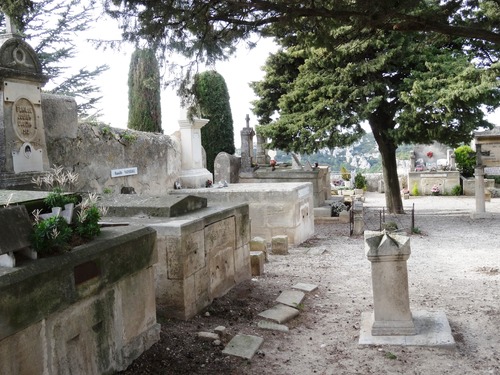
(275, 209)
(89, 311)
(94, 150)
(469, 185)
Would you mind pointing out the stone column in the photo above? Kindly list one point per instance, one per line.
(193, 174)
(247, 146)
(412, 161)
(388, 253)
(261, 156)
(359, 224)
(479, 183)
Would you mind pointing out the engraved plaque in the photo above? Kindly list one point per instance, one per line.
(24, 119)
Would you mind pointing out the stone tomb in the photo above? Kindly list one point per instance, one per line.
(88, 311)
(275, 209)
(202, 253)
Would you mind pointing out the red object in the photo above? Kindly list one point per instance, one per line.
(429, 154)
(272, 163)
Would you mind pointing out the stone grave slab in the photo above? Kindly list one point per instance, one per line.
(264, 324)
(432, 329)
(244, 346)
(291, 298)
(126, 205)
(15, 229)
(280, 313)
(305, 287)
(316, 251)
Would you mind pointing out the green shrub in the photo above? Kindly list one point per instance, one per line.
(56, 198)
(51, 236)
(360, 181)
(414, 190)
(456, 190)
(346, 175)
(466, 160)
(87, 225)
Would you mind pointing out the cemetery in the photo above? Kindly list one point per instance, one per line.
(234, 277)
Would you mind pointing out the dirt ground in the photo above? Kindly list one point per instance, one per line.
(454, 267)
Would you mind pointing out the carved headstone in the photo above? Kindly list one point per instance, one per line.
(22, 136)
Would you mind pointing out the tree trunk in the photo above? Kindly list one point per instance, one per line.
(379, 124)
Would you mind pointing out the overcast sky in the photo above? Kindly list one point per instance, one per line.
(238, 72)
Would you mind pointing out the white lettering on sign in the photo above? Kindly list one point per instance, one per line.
(123, 172)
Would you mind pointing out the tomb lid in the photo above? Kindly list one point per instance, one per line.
(487, 136)
(15, 229)
(19, 60)
(126, 205)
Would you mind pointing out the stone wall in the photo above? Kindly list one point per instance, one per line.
(201, 257)
(88, 311)
(94, 150)
(469, 185)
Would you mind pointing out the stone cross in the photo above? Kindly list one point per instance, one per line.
(247, 120)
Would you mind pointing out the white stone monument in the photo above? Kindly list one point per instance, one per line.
(22, 136)
(193, 174)
(392, 322)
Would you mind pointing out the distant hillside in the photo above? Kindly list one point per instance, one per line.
(361, 156)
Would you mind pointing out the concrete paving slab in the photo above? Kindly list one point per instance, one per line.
(432, 329)
(316, 251)
(244, 346)
(305, 287)
(280, 313)
(291, 298)
(264, 324)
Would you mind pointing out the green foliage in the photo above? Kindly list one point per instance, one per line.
(212, 98)
(360, 181)
(346, 175)
(337, 208)
(144, 92)
(465, 158)
(51, 236)
(414, 190)
(208, 30)
(128, 137)
(416, 230)
(87, 225)
(456, 190)
(56, 198)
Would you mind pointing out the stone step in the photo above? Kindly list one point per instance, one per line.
(292, 298)
(280, 313)
(244, 346)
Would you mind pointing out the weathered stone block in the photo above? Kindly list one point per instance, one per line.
(257, 259)
(279, 245)
(259, 244)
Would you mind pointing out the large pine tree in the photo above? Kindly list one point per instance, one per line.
(212, 98)
(144, 112)
(408, 87)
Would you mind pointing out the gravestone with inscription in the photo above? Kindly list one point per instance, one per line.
(23, 150)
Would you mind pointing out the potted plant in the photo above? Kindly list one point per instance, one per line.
(435, 190)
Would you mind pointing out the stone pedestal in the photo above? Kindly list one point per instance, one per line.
(388, 253)
(193, 174)
(359, 224)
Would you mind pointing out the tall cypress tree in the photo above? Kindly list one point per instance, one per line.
(144, 112)
(212, 98)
